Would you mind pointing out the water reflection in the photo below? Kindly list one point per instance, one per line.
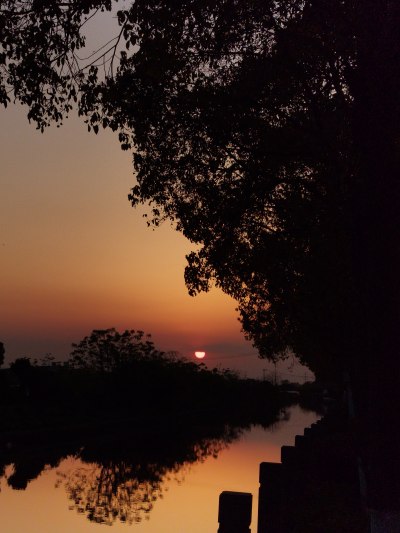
(119, 476)
(112, 491)
(114, 485)
(122, 471)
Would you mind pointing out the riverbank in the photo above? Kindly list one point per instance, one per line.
(316, 486)
(324, 483)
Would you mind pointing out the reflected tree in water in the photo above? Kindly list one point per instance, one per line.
(124, 464)
(126, 489)
(114, 490)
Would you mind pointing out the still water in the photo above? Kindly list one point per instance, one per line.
(83, 495)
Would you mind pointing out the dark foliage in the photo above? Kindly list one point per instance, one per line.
(260, 129)
(268, 132)
(109, 351)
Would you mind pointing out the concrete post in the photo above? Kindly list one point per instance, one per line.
(270, 498)
(234, 512)
(288, 454)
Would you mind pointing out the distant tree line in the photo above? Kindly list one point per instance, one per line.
(123, 374)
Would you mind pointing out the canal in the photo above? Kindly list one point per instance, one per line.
(85, 494)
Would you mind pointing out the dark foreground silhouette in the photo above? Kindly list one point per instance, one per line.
(126, 463)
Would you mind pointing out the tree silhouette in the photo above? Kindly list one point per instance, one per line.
(108, 350)
(268, 132)
(260, 128)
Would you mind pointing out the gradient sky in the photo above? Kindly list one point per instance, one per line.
(75, 256)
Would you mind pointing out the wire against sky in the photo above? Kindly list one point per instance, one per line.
(232, 356)
(292, 372)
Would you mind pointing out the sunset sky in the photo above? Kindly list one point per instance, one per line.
(75, 256)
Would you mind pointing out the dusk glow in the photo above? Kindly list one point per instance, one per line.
(76, 256)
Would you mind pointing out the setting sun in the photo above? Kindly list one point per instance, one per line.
(200, 355)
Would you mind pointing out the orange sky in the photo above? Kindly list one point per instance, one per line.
(75, 256)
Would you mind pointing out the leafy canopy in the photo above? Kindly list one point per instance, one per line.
(241, 116)
(108, 350)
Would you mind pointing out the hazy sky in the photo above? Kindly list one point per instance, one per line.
(75, 256)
